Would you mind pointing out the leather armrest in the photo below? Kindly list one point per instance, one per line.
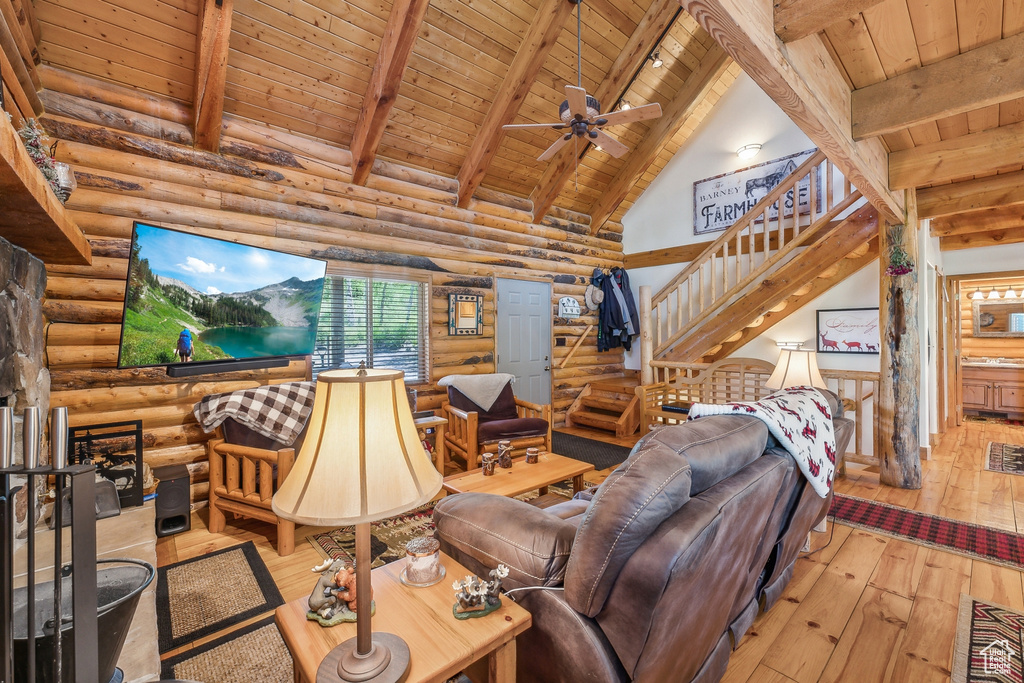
(493, 530)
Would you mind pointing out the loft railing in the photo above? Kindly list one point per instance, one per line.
(785, 219)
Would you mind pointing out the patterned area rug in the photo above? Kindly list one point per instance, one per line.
(387, 537)
(1005, 457)
(598, 453)
(252, 653)
(988, 642)
(201, 596)
(971, 540)
(994, 420)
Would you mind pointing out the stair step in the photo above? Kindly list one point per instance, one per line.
(598, 420)
(615, 405)
(616, 386)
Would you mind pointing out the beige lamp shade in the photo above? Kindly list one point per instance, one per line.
(362, 459)
(796, 367)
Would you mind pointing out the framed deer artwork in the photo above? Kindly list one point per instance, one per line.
(848, 330)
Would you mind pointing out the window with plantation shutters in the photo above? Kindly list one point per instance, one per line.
(381, 321)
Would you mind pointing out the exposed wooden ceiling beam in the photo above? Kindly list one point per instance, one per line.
(695, 88)
(795, 19)
(803, 79)
(987, 75)
(539, 39)
(986, 220)
(970, 195)
(641, 43)
(992, 238)
(978, 153)
(395, 49)
(211, 71)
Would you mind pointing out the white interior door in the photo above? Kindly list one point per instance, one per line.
(523, 337)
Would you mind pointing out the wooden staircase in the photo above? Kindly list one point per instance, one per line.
(611, 405)
(760, 267)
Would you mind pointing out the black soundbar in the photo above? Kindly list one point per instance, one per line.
(190, 369)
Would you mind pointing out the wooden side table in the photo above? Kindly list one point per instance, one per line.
(440, 645)
(438, 425)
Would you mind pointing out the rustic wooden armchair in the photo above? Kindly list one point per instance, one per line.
(471, 430)
(244, 477)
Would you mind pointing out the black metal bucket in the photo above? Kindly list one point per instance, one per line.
(117, 595)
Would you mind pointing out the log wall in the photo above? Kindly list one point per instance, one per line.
(991, 347)
(134, 161)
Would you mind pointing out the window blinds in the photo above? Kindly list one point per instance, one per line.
(380, 321)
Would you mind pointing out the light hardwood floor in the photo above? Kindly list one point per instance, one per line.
(862, 608)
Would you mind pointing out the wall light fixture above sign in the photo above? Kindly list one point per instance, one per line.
(748, 151)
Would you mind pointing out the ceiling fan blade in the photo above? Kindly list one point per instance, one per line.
(577, 100)
(517, 126)
(553, 149)
(647, 111)
(609, 144)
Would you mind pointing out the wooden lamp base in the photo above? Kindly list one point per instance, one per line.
(387, 661)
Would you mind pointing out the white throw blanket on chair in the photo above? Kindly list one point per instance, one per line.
(482, 390)
(801, 420)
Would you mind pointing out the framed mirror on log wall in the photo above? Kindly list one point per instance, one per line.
(998, 318)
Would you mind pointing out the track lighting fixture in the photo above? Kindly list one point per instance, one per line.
(656, 59)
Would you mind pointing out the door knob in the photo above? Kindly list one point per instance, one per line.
(547, 368)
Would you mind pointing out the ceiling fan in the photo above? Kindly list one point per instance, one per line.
(580, 114)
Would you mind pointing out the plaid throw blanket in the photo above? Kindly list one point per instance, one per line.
(277, 411)
(801, 420)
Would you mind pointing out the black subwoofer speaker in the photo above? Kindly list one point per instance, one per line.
(173, 500)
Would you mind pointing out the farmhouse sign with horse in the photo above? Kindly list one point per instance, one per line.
(720, 201)
(848, 330)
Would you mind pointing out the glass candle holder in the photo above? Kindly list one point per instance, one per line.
(423, 562)
(532, 455)
(488, 464)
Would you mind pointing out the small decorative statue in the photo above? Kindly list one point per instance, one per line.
(333, 599)
(477, 598)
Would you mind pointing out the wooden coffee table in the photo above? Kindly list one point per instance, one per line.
(440, 645)
(549, 469)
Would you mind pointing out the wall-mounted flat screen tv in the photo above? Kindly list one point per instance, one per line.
(195, 299)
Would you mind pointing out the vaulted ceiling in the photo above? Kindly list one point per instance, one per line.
(333, 69)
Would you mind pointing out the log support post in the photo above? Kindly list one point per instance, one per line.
(898, 441)
(646, 336)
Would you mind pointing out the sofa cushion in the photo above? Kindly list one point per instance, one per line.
(496, 430)
(504, 407)
(643, 491)
(717, 450)
(533, 544)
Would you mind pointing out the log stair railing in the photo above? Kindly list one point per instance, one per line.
(755, 247)
(612, 406)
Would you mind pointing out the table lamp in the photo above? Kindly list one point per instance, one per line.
(796, 367)
(361, 461)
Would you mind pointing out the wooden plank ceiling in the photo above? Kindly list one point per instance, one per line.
(940, 82)
(305, 66)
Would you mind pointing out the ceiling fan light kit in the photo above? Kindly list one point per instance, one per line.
(581, 113)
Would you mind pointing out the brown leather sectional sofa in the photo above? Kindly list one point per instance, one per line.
(657, 576)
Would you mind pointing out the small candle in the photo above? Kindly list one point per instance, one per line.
(532, 454)
(488, 464)
(423, 560)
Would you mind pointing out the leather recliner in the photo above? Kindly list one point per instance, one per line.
(659, 575)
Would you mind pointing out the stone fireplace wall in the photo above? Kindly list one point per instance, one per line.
(24, 379)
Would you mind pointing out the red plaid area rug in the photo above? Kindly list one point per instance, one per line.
(988, 642)
(971, 540)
